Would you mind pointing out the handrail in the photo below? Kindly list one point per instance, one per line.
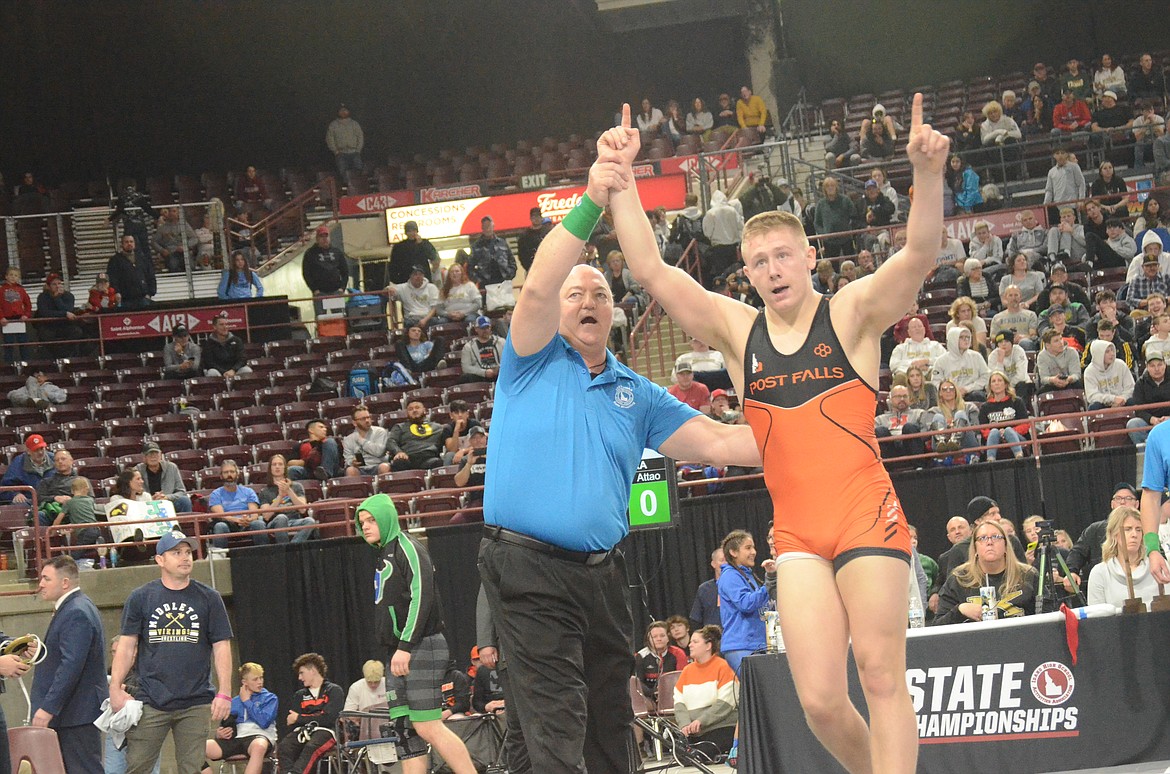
(265, 227)
(640, 333)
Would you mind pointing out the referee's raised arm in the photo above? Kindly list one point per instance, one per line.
(538, 310)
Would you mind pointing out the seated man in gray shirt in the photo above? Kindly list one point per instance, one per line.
(365, 448)
(181, 356)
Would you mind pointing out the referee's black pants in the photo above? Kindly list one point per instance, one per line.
(565, 630)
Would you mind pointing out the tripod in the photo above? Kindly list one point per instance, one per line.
(1047, 599)
(675, 743)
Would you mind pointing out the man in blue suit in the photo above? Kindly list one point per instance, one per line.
(69, 685)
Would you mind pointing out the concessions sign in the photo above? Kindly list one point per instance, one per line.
(510, 211)
(371, 204)
(1031, 694)
(137, 325)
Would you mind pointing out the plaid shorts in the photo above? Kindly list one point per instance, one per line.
(419, 695)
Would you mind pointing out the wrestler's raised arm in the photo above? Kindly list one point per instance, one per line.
(883, 298)
(538, 310)
(701, 314)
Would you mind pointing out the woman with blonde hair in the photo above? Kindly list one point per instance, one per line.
(990, 562)
(965, 308)
(953, 412)
(1123, 552)
(923, 394)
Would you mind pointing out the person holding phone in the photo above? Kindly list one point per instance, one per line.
(181, 356)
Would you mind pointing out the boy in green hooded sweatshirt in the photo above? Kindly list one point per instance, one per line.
(408, 621)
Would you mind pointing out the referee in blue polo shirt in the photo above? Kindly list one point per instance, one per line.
(569, 426)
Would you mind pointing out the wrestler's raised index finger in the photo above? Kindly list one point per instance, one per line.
(625, 115)
(916, 115)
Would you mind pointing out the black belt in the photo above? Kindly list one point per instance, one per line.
(501, 535)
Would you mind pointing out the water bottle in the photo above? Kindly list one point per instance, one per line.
(772, 633)
(988, 599)
(917, 614)
(102, 558)
(113, 557)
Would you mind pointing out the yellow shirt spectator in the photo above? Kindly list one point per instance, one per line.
(750, 110)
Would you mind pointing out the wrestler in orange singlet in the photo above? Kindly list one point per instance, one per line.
(805, 367)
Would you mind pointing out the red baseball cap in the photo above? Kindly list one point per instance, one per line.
(34, 442)
(718, 394)
(322, 230)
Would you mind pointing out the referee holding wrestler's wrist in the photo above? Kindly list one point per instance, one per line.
(568, 429)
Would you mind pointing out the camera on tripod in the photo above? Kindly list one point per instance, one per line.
(1045, 532)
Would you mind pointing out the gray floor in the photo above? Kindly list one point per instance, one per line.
(1137, 768)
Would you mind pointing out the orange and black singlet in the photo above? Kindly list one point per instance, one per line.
(813, 419)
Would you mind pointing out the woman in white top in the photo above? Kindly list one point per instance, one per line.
(1123, 547)
(1029, 282)
(1109, 78)
(460, 296)
(699, 120)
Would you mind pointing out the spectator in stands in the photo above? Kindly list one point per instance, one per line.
(55, 307)
(223, 351)
(679, 629)
(693, 393)
(456, 435)
(1057, 365)
(480, 358)
(1015, 319)
(657, 658)
(461, 299)
(1159, 339)
(699, 121)
(1074, 293)
(1109, 77)
(1066, 240)
(1152, 279)
(915, 350)
(900, 330)
(15, 306)
(1116, 251)
(80, 510)
(1000, 130)
(1055, 318)
(56, 488)
(989, 563)
(237, 282)
(282, 492)
(232, 497)
(1150, 388)
(370, 691)
(962, 365)
(132, 276)
(1075, 313)
(1107, 311)
(1108, 118)
(472, 460)
(986, 247)
(1076, 81)
(1155, 305)
(1012, 107)
(964, 309)
(134, 210)
(722, 226)
(1003, 405)
(538, 229)
(1032, 241)
(1086, 553)
(492, 262)
(418, 352)
(726, 123)
(874, 209)
(324, 268)
(622, 283)
(674, 125)
(320, 456)
(1065, 181)
(365, 448)
(706, 695)
(162, 478)
(1161, 155)
(182, 357)
(649, 121)
(974, 285)
(865, 263)
(955, 418)
(129, 486)
(37, 391)
(311, 722)
(1071, 115)
(345, 140)
(752, 115)
(824, 278)
(834, 214)
(721, 410)
(877, 137)
(420, 300)
(1108, 331)
(840, 149)
(251, 193)
(250, 729)
(102, 296)
(30, 196)
(1037, 121)
(1008, 358)
(1146, 82)
(901, 420)
(174, 240)
(965, 138)
(1110, 191)
(963, 181)
(1108, 381)
(1147, 128)
(411, 251)
(1151, 219)
(415, 444)
(923, 394)
(951, 257)
(1124, 571)
(706, 363)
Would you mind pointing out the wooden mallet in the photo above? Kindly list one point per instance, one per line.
(1132, 605)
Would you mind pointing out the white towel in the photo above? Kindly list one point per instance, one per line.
(116, 724)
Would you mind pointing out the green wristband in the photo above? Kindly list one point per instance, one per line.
(582, 219)
(1153, 543)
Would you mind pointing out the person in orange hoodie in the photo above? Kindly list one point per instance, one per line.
(707, 693)
(15, 305)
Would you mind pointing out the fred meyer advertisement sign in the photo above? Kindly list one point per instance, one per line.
(510, 211)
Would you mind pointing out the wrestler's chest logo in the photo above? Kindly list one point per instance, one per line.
(822, 350)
